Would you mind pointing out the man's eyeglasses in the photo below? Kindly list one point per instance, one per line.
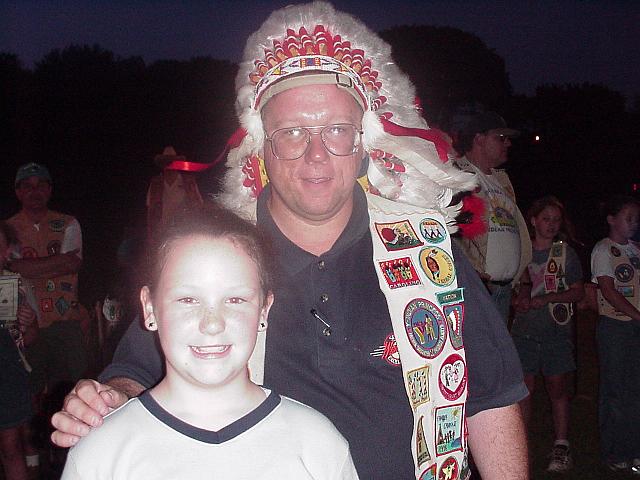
(341, 139)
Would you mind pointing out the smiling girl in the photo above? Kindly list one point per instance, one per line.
(208, 298)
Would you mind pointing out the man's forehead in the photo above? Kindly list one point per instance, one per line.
(312, 103)
(34, 180)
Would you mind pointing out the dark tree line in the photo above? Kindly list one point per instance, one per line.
(97, 120)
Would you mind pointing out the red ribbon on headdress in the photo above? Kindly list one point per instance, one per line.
(186, 166)
(435, 136)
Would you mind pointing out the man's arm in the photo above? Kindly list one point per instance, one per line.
(498, 442)
(47, 267)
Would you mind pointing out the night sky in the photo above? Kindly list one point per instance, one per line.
(541, 42)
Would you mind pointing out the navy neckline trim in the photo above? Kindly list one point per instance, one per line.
(225, 434)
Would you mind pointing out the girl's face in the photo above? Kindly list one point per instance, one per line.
(208, 307)
(624, 223)
(547, 223)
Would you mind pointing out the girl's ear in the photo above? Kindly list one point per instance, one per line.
(264, 312)
(150, 322)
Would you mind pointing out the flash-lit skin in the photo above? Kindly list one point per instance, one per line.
(624, 224)
(488, 151)
(312, 196)
(34, 194)
(547, 226)
(208, 307)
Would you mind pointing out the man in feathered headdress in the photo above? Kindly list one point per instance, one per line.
(322, 105)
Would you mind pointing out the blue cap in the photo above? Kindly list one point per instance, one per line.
(32, 170)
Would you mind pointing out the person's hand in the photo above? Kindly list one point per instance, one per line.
(522, 303)
(539, 301)
(27, 323)
(84, 408)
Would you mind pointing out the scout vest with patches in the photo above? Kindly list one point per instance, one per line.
(626, 280)
(415, 267)
(416, 272)
(57, 297)
(555, 281)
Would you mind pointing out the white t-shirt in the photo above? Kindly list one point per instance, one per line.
(503, 242)
(602, 257)
(280, 439)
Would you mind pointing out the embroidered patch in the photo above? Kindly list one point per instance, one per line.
(62, 305)
(452, 379)
(455, 319)
(51, 286)
(400, 273)
(615, 251)
(624, 273)
(625, 290)
(28, 252)
(422, 451)
(635, 261)
(425, 327)
(560, 313)
(429, 473)
(448, 431)
(56, 225)
(53, 248)
(550, 283)
(46, 305)
(398, 236)
(449, 470)
(388, 351)
(418, 386)
(437, 265)
(556, 250)
(452, 296)
(552, 266)
(66, 287)
(432, 230)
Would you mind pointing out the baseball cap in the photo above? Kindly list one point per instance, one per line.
(32, 170)
(483, 122)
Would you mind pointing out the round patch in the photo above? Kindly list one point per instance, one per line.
(426, 327)
(437, 265)
(615, 251)
(50, 286)
(449, 469)
(452, 379)
(624, 272)
(432, 230)
(560, 313)
(635, 261)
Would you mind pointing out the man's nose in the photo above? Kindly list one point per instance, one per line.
(212, 321)
(316, 151)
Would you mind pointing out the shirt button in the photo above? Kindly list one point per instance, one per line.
(321, 265)
(324, 298)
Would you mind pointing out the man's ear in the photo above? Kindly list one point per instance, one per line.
(150, 322)
(264, 312)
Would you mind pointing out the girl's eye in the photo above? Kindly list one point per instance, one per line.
(188, 300)
(236, 300)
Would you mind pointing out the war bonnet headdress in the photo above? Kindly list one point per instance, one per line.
(315, 44)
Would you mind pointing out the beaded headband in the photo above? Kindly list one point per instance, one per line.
(319, 58)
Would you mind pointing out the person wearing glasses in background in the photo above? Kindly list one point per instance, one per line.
(502, 253)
